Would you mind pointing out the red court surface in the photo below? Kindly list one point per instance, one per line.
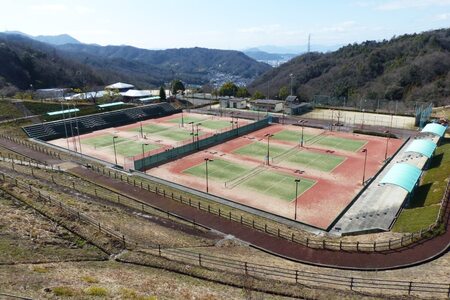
(318, 206)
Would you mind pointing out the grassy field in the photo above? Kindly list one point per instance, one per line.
(423, 209)
(278, 185)
(218, 169)
(317, 161)
(9, 111)
(100, 141)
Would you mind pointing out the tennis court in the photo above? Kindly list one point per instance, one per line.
(329, 166)
(275, 184)
(278, 185)
(218, 169)
(339, 143)
(102, 141)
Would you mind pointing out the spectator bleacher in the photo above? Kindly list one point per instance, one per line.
(85, 124)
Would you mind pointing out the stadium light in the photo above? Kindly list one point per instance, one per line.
(143, 156)
(206, 171)
(365, 161)
(114, 145)
(268, 135)
(387, 144)
(142, 132)
(297, 181)
(182, 119)
(302, 122)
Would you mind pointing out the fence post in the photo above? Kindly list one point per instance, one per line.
(265, 227)
(200, 259)
(389, 245)
(374, 246)
(123, 240)
(296, 276)
(351, 284)
(448, 294)
(409, 288)
(241, 219)
(99, 228)
(159, 249)
(253, 223)
(219, 212)
(292, 237)
(401, 241)
(200, 207)
(340, 245)
(209, 208)
(245, 268)
(357, 246)
(323, 244)
(307, 242)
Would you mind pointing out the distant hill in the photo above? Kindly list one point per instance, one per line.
(409, 68)
(57, 39)
(25, 62)
(60, 39)
(191, 65)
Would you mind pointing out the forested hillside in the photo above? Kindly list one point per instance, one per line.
(25, 62)
(408, 68)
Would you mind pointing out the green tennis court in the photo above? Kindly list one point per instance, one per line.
(313, 160)
(326, 141)
(218, 169)
(341, 143)
(292, 136)
(149, 128)
(215, 124)
(186, 120)
(131, 148)
(259, 150)
(177, 134)
(278, 185)
(100, 141)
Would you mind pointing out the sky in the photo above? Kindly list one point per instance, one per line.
(223, 24)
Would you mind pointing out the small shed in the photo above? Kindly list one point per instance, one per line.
(268, 105)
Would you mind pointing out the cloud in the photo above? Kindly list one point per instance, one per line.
(442, 17)
(406, 4)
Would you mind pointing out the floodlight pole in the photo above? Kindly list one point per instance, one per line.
(142, 132)
(297, 181)
(206, 171)
(302, 122)
(65, 126)
(78, 131)
(182, 119)
(292, 77)
(198, 143)
(192, 132)
(365, 161)
(114, 145)
(387, 145)
(143, 156)
(268, 147)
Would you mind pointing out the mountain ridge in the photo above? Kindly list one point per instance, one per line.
(411, 67)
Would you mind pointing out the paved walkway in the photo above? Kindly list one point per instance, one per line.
(407, 256)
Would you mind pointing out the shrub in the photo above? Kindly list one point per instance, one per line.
(63, 291)
(96, 291)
